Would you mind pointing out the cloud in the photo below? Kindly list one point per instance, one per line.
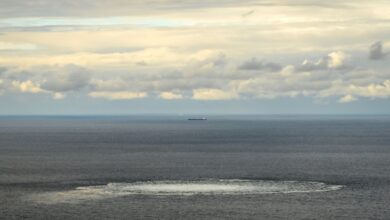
(347, 98)
(376, 51)
(254, 64)
(170, 95)
(55, 81)
(201, 79)
(1, 86)
(58, 96)
(167, 49)
(334, 60)
(70, 79)
(213, 94)
(372, 90)
(118, 95)
(207, 59)
(248, 13)
(31, 87)
(2, 70)
(27, 86)
(152, 56)
(10, 46)
(124, 7)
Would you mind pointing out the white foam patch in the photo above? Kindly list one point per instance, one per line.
(180, 188)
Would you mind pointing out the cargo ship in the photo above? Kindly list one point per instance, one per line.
(197, 119)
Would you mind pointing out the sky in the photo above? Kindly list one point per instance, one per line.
(194, 57)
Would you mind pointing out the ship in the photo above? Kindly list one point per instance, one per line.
(197, 119)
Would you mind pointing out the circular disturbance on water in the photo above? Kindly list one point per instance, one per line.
(181, 188)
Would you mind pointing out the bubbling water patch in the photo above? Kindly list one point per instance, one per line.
(181, 188)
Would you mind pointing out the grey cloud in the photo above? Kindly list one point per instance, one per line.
(376, 51)
(31, 8)
(2, 70)
(2, 86)
(219, 60)
(307, 65)
(152, 83)
(254, 64)
(141, 63)
(248, 13)
(122, 49)
(334, 60)
(72, 78)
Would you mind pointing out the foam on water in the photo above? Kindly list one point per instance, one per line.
(180, 188)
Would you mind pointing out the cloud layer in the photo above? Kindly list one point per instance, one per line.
(195, 50)
(207, 75)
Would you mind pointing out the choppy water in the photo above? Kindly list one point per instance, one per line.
(268, 167)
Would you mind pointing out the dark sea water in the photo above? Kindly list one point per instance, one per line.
(166, 167)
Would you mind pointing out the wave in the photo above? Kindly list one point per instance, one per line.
(181, 188)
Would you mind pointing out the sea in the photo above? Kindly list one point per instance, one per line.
(169, 167)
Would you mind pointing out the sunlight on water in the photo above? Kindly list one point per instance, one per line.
(180, 188)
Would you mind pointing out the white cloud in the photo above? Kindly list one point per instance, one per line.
(170, 95)
(213, 94)
(118, 95)
(31, 87)
(58, 95)
(337, 59)
(347, 98)
(27, 86)
(372, 90)
(16, 46)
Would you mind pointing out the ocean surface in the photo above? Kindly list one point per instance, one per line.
(166, 167)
